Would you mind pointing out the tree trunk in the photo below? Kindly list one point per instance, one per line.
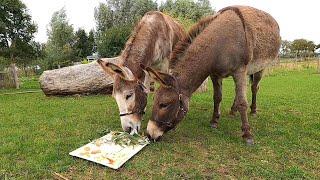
(79, 79)
(15, 75)
(25, 70)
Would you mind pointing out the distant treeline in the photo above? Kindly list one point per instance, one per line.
(299, 48)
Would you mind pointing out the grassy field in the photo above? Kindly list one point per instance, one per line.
(38, 132)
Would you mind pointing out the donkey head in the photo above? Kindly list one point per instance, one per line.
(170, 105)
(130, 95)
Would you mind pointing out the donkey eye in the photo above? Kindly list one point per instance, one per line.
(163, 105)
(128, 96)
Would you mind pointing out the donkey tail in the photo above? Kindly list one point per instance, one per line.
(247, 32)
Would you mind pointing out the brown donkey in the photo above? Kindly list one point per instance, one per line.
(150, 44)
(237, 41)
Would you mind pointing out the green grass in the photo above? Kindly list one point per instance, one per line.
(38, 132)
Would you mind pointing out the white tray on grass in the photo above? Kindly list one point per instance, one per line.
(105, 152)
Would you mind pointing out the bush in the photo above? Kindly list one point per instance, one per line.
(113, 40)
(187, 9)
(4, 63)
(84, 61)
(186, 23)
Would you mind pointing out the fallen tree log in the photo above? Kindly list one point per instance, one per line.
(81, 79)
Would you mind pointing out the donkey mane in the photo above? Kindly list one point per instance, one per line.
(183, 44)
(140, 46)
(195, 30)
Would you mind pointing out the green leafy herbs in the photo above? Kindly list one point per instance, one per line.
(126, 139)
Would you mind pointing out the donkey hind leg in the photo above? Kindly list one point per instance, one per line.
(217, 97)
(233, 109)
(256, 77)
(240, 79)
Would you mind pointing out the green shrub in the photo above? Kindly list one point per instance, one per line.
(113, 40)
(84, 61)
(186, 23)
(3, 63)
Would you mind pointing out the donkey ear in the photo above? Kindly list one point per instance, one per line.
(163, 78)
(113, 69)
(146, 73)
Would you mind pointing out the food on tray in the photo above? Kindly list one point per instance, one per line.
(113, 149)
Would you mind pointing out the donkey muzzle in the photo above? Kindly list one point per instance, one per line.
(153, 131)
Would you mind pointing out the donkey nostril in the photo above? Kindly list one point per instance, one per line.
(128, 130)
(158, 138)
(153, 139)
(148, 136)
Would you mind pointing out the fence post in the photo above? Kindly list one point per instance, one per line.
(2, 80)
(15, 75)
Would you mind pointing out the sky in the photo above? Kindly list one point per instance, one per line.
(296, 18)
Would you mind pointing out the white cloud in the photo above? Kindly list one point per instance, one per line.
(80, 13)
(297, 19)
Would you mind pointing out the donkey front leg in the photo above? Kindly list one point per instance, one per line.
(217, 97)
(233, 109)
(240, 79)
(254, 89)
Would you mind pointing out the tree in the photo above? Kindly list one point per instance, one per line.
(121, 12)
(303, 47)
(104, 18)
(112, 41)
(40, 63)
(91, 42)
(81, 45)
(84, 43)
(40, 50)
(16, 31)
(285, 49)
(311, 47)
(187, 9)
(60, 43)
(114, 22)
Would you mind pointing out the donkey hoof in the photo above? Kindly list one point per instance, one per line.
(253, 114)
(214, 125)
(249, 141)
(232, 113)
